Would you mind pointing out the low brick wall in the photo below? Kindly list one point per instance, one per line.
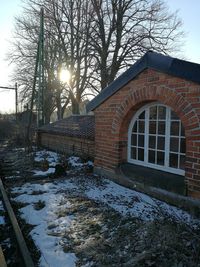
(68, 145)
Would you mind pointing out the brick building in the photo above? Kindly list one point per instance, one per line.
(72, 135)
(150, 117)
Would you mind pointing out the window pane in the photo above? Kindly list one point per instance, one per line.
(158, 133)
(182, 149)
(161, 127)
(141, 127)
(142, 115)
(152, 127)
(160, 158)
(175, 128)
(174, 144)
(151, 156)
(134, 140)
(141, 140)
(152, 141)
(135, 127)
(153, 113)
(161, 113)
(161, 143)
(173, 160)
(141, 154)
(182, 130)
(133, 152)
(182, 162)
(174, 116)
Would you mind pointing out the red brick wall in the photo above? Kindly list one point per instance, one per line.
(112, 119)
(68, 145)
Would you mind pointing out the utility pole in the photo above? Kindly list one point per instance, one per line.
(40, 102)
(38, 79)
(16, 101)
(16, 97)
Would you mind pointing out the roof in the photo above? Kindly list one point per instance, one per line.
(80, 126)
(173, 66)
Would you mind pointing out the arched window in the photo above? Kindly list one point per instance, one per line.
(156, 139)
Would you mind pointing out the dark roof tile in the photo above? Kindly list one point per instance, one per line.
(81, 126)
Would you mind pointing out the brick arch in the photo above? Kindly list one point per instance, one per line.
(137, 98)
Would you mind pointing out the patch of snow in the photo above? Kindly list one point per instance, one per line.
(13, 177)
(49, 225)
(1, 206)
(130, 202)
(51, 157)
(124, 200)
(75, 161)
(44, 173)
(52, 253)
(88, 264)
(6, 242)
(90, 163)
(19, 149)
(2, 220)
(29, 188)
(61, 224)
(177, 214)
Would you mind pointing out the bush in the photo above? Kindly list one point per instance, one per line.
(7, 129)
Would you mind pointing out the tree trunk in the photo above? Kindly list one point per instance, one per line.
(47, 117)
(58, 104)
(75, 107)
(59, 111)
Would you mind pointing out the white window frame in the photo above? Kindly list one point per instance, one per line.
(145, 163)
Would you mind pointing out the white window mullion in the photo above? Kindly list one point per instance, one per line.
(156, 151)
(167, 136)
(146, 136)
(137, 141)
(179, 144)
(168, 120)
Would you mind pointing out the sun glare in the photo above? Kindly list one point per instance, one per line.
(65, 75)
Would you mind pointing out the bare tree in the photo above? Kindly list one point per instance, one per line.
(72, 20)
(67, 26)
(23, 54)
(123, 30)
(94, 39)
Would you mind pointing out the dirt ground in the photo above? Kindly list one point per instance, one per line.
(104, 230)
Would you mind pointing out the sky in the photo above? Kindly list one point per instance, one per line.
(9, 9)
(188, 12)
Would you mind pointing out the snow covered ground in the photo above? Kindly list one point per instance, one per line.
(86, 220)
(47, 210)
(53, 159)
(43, 173)
(43, 202)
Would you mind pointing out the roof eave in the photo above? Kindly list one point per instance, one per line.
(121, 81)
(172, 66)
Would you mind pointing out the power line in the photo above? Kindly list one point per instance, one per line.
(16, 97)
